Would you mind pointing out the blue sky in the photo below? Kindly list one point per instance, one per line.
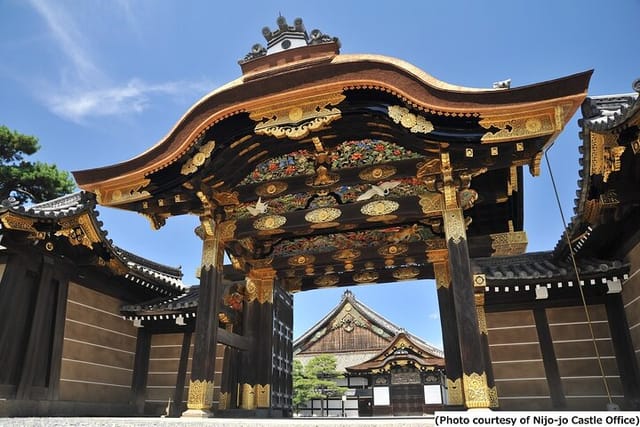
(100, 81)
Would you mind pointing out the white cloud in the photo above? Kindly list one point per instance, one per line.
(132, 97)
(83, 90)
(434, 316)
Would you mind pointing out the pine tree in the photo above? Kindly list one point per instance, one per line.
(24, 180)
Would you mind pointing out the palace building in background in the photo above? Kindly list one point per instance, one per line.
(318, 169)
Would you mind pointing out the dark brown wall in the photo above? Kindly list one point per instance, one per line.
(631, 299)
(98, 349)
(517, 361)
(578, 365)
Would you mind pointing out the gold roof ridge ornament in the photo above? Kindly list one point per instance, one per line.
(295, 118)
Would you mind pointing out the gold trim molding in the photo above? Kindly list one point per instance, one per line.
(509, 127)
(493, 397)
(132, 192)
(200, 395)
(295, 117)
(248, 400)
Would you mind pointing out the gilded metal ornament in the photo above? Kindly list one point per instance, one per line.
(454, 225)
(454, 392)
(366, 277)
(223, 401)
(300, 260)
(346, 254)
(393, 250)
(409, 120)
(327, 280)
(482, 319)
(269, 222)
(380, 207)
(198, 159)
(406, 273)
(493, 397)
(200, 395)
(263, 395)
(442, 276)
(271, 189)
(476, 391)
(323, 215)
(248, 400)
(296, 121)
(377, 173)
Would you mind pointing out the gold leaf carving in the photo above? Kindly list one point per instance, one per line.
(129, 193)
(509, 243)
(377, 173)
(271, 189)
(476, 391)
(198, 159)
(200, 395)
(227, 230)
(15, 222)
(323, 215)
(296, 121)
(413, 122)
(379, 207)
(226, 198)
(508, 127)
(431, 204)
(269, 222)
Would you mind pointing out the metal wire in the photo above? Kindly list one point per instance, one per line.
(575, 269)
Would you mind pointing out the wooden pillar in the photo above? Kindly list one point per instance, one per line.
(453, 364)
(141, 369)
(62, 275)
(206, 331)
(36, 363)
(554, 382)
(474, 377)
(479, 283)
(182, 374)
(257, 370)
(623, 347)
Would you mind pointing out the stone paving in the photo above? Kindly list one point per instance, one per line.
(232, 422)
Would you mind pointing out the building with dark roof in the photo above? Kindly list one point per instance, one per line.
(388, 371)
